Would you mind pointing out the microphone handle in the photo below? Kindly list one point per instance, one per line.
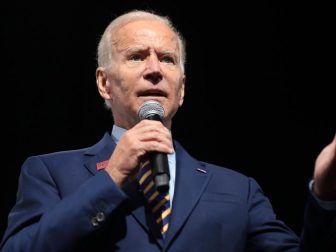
(159, 162)
(160, 171)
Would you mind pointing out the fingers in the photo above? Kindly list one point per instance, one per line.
(152, 136)
(145, 137)
(325, 172)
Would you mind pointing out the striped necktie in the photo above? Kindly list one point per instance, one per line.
(158, 202)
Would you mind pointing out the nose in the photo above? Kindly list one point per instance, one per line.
(153, 71)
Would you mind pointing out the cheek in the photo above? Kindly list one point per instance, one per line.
(179, 89)
(118, 84)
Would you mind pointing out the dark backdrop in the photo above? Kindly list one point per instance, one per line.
(258, 97)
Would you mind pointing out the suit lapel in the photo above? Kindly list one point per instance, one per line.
(99, 153)
(191, 180)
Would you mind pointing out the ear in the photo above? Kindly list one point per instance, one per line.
(103, 84)
(182, 91)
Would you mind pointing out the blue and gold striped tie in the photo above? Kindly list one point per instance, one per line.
(158, 202)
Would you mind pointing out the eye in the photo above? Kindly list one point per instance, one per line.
(136, 57)
(168, 59)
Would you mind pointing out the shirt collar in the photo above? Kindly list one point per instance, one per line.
(117, 132)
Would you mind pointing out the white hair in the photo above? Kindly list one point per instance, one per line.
(104, 52)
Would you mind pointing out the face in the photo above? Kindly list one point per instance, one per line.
(145, 66)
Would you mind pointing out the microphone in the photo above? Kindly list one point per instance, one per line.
(153, 110)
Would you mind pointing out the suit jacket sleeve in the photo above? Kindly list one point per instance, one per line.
(42, 215)
(266, 231)
(319, 231)
(268, 234)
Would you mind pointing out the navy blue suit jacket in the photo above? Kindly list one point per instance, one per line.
(64, 203)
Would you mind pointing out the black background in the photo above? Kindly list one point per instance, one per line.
(259, 93)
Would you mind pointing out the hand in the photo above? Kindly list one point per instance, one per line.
(325, 173)
(146, 136)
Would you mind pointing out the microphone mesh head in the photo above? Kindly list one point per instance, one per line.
(149, 108)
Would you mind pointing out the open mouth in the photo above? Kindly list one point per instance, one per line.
(157, 93)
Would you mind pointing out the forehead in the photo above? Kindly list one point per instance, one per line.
(146, 33)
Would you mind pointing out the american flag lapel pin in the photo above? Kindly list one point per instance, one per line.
(101, 165)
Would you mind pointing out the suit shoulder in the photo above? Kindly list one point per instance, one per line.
(219, 173)
(72, 154)
(36, 165)
(58, 155)
(224, 171)
(228, 181)
(66, 159)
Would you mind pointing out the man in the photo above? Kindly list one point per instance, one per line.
(93, 200)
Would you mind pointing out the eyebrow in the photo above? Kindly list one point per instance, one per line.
(141, 49)
(169, 53)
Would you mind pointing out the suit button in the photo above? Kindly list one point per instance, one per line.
(94, 222)
(100, 217)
